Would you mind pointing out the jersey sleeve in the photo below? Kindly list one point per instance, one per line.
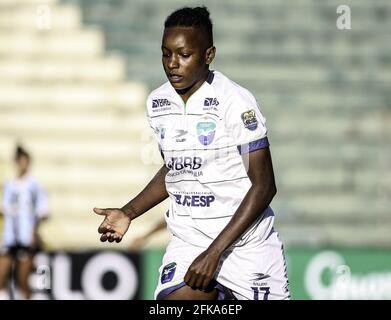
(155, 129)
(245, 123)
(149, 115)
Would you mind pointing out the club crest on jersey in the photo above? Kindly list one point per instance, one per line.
(250, 120)
(206, 130)
(168, 272)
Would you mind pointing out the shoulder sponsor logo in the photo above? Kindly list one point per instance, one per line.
(168, 272)
(250, 120)
(194, 201)
(156, 103)
(159, 105)
(211, 102)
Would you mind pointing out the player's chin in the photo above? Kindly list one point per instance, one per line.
(178, 85)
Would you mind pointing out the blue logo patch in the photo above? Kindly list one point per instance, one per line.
(211, 102)
(168, 272)
(206, 131)
(160, 103)
(250, 120)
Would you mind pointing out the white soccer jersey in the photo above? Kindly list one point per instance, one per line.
(202, 142)
(24, 202)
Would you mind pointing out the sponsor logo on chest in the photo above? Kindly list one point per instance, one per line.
(210, 104)
(180, 163)
(194, 201)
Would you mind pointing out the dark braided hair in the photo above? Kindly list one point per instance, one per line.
(197, 17)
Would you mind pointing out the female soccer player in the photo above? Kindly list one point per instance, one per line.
(25, 206)
(218, 175)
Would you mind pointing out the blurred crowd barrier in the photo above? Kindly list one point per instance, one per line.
(69, 101)
(319, 274)
(74, 75)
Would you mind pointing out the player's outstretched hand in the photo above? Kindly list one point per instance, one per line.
(114, 225)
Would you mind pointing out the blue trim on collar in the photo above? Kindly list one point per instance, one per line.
(210, 77)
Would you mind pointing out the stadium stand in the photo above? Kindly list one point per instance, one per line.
(70, 103)
(75, 94)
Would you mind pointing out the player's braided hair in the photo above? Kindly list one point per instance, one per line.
(197, 17)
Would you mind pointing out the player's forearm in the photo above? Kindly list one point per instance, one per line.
(255, 202)
(154, 193)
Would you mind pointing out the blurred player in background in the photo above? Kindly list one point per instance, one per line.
(218, 175)
(25, 205)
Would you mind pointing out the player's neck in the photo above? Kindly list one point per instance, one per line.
(185, 94)
(21, 175)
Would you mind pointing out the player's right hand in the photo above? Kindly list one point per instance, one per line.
(114, 225)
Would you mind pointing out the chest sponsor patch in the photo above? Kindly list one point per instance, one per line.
(250, 120)
(158, 103)
(211, 102)
(194, 200)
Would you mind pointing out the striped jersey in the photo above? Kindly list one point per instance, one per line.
(24, 202)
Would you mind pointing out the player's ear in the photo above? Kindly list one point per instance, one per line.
(210, 55)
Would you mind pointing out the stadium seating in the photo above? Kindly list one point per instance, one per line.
(70, 103)
(75, 95)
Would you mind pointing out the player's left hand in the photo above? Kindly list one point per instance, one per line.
(114, 225)
(202, 270)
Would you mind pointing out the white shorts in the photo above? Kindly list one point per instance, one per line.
(255, 271)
